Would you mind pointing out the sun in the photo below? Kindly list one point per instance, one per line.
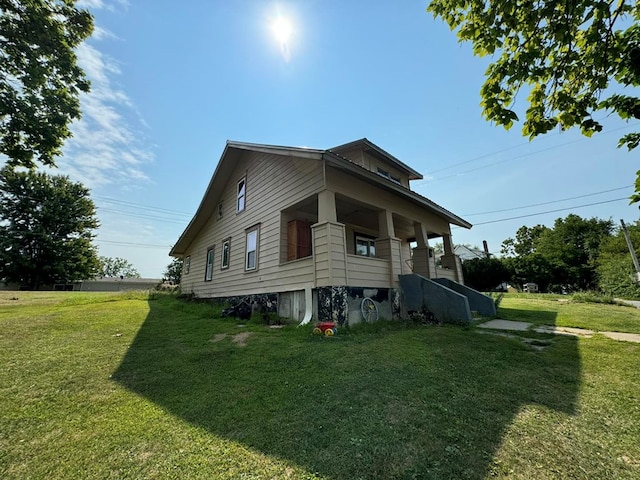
(282, 29)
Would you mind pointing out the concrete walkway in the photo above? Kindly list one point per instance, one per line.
(634, 303)
(510, 325)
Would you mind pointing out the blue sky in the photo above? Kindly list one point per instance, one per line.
(172, 82)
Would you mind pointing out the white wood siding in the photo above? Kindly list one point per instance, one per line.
(273, 184)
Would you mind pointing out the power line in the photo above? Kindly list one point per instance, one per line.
(547, 203)
(140, 215)
(511, 158)
(141, 206)
(129, 244)
(552, 211)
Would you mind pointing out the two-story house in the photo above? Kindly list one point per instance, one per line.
(313, 232)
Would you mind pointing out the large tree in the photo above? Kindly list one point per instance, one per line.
(173, 272)
(572, 247)
(616, 271)
(567, 55)
(40, 81)
(117, 267)
(46, 229)
(484, 274)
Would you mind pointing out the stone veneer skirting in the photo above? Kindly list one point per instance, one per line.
(339, 304)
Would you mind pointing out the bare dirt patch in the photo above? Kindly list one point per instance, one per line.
(240, 339)
(218, 337)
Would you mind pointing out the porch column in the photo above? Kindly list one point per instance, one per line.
(421, 260)
(327, 207)
(450, 259)
(388, 246)
(329, 244)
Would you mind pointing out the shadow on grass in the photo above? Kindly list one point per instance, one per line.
(418, 402)
(538, 317)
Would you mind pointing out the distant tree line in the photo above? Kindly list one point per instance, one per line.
(575, 254)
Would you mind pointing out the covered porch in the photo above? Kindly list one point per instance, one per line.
(357, 243)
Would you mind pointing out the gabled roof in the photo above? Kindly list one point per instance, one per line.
(377, 152)
(233, 150)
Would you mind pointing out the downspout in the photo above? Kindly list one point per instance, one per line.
(308, 305)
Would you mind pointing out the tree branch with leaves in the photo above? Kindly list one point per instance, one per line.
(567, 54)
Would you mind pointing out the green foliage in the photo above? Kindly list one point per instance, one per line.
(117, 267)
(558, 259)
(40, 81)
(173, 272)
(525, 241)
(530, 268)
(497, 298)
(572, 247)
(46, 229)
(592, 297)
(615, 269)
(567, 55)
(484, 274)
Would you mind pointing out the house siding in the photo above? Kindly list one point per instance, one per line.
(273, 183)
(377, 197)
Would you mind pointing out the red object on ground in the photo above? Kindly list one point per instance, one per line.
(327, 329)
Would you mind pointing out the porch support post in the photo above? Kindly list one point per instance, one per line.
(421, 260)
(327, 207)
(329, 244)
(450, 259)
(389, 247)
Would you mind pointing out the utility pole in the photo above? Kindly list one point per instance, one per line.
(631, 250)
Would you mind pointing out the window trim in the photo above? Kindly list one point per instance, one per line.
(255, 229)
(242, 196)
(388, 175)
(226, 243)
(371, 242)
(208, 272)
(220, 211)
(186, 265)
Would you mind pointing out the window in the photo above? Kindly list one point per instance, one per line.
(251, 255)
(298, 240)
(220, 211)
(365, 247)
(242, 193)
(390, 176)
(208, 274)
(224, 261)
(186, 264)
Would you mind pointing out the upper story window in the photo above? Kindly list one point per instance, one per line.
(186, 264)
(365, 247)
(383, 173)
(220, 211)
(241, 195)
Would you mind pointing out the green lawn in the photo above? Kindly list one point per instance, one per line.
(127, 386)
(559, 310)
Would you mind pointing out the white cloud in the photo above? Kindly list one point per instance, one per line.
(100, 4)
(105, 147)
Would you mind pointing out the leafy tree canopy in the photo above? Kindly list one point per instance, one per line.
(525, 241)
(40, 80)
(484, 274)
(173, 272)
(117, 267)
(566, 54)
(615, 268)
(562, 258)
(46, 229)
(572, 247)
